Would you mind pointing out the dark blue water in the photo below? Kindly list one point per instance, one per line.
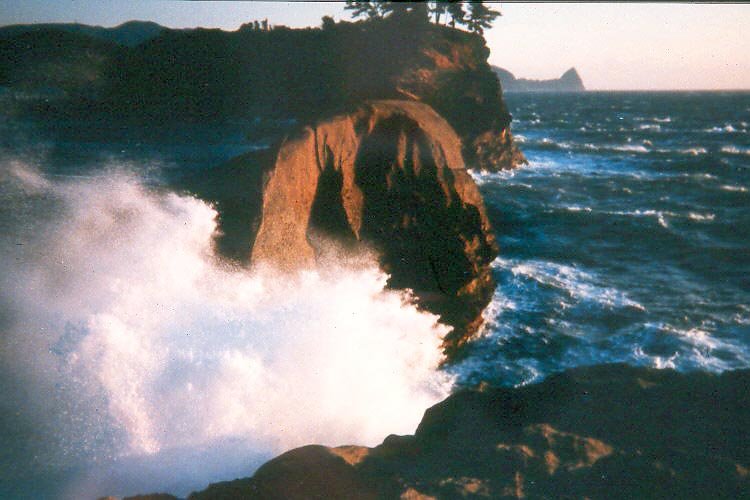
(626, 238)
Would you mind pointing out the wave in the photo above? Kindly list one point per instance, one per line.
(694, 348)
(656, 119)
(701, 217)
(727, 128)
(125, 327)
(736, 189)
(735, 150)
(659, 215)
(650, 126)
(578, 285)
(645, 147)
(693, 151)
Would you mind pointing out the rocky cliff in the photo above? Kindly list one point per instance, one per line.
(603, 432)
(388, 177)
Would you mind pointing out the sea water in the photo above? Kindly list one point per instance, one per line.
(135, 361)
(625, 239)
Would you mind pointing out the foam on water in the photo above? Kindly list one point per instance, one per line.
(737, 189)
(140, 347)
(577, 284)
(735, 150)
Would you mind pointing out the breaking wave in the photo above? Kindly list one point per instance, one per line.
(134, 344)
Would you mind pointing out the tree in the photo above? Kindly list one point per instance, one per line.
(382, 9)
(369, 9)
(480, 17)
(455, 9)
(400, 7)
(438, 8)
(327, 23)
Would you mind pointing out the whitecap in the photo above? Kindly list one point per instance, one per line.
(692, 151)
(660, 215)
(629, 148)
(659, 362)
(577, 208)
(726, 128)
(701, 217)
(737, 189)
(704, 344)
(735, 150)
(579, 285)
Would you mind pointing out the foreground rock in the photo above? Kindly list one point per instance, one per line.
(610, 431)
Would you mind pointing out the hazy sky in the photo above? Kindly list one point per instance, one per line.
(613, 46)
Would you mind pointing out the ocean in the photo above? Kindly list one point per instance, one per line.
(134, 361)
(625, 239)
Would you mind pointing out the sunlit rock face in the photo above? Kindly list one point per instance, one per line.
(390, 178)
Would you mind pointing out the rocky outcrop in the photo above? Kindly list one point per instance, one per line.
(570, 81)
(388, 177)
(610, 431)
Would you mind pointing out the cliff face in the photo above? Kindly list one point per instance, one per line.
(389, 176)
(604, 432)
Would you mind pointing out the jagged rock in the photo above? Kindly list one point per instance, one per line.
(610, 431)
(570, 81)
(389, 176)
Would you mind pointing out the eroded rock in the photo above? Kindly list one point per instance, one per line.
(389, 177)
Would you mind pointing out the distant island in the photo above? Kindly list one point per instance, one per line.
(570, 81)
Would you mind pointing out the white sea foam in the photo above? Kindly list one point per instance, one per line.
(137, 342)
(660, 215)
(735, 150)
(737, 189)
(704, 346)
(695, 151)
(701, 217)
(579, 285)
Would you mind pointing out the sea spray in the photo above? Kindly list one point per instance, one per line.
(144, 356)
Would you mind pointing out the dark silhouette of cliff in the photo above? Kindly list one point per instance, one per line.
(129, 34)
(56, 61)
(570, 81)
(209, 74)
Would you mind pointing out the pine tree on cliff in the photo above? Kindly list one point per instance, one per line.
(438, 9)
(400, 8)
(480, 17)
(369, 9)
(382, 9)
(456, 10)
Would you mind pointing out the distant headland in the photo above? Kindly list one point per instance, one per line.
(570, 81)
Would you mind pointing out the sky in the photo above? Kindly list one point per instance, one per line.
(614, 46)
